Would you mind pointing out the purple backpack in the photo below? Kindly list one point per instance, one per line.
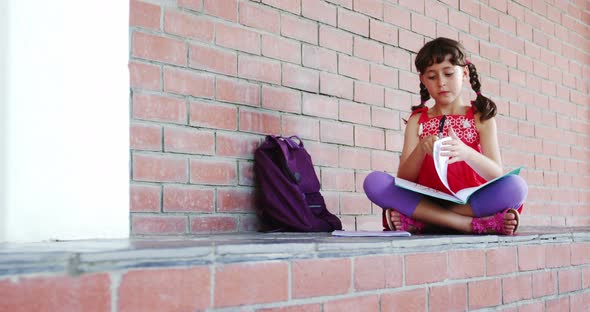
(288, 190)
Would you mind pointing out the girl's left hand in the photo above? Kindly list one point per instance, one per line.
(455, 149)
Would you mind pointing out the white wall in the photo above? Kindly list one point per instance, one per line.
(64, 118)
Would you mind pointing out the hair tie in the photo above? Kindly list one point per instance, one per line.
(478, 93)
(467, 62)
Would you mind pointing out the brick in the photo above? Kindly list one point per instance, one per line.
(145, 137)
(557, 304)
(531, 257)
(217, 172)
(459, 20)
(369, 223)
(408, 81)
(369, 303)
(195, 5)
(87, 292)
(293, 6)
(369, 137)
(143, 290)
(353, 67)
(544, 283)
(345, 3)
(189, 141)
(368, 50)
(214, 60)
(144, 76)
(281, 49)
(425, 268)
(319, 11)
(237, 38)
(335, 39)
(445, 298)
(401, 101)
(257, 16)
(409, 300)
(414, 5)
(237, 91)
(396, 16)
(323, 154)
(397, 58)
(580, 252)
(373, 8)
(369, 93)
(410, 41)
(225, 9)
(213, 224)
(336, 85)
(383, 32)
(501, 261)
(188, 26)
(355, 112)
(319, 58)
(384, 161)
(466, 263)
(159, 49)
(333, 179)
(144, 198)
(144, 15)
(586, 278)
(385, 118)
(281, 99)
(320, 106)
(485, 293)
(161, 225)
(320, 277)
(258, 68)
(353, 22)
(377, 272)
(188, 82)
(336, 132)
(157, 168)
(438, 11)
(580, 302)
(178, 198)
(300, 78)
(569, 280)
(213, 115)
(383, 75)
(246, 173)
(235, 200)
(423, 25)
(532, 307)
(300, 29)
(516, 288)
(557, 255)
(312, 307)
(305, 128)
(259, 122)
(354, 203)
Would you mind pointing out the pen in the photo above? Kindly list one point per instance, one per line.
(441, 126)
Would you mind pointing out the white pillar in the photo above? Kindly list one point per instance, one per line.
(64, 114)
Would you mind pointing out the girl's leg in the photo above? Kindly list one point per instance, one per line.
(508, 192)
(381, 190)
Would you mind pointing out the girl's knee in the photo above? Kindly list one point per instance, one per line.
(377, 180)
(518, 185)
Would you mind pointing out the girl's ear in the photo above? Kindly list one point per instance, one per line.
(421, 78)
(465, 72)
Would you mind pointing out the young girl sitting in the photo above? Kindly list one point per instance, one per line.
(473, 150)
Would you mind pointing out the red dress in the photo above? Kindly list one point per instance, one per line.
(459, 174)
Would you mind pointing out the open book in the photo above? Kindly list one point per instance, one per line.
(441, 164)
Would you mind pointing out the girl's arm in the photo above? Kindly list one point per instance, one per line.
(414, 151)
(488, 164)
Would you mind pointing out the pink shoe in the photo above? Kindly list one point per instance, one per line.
(406, 222)
(494, 224)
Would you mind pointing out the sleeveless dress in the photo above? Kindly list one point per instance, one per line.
(459, 174)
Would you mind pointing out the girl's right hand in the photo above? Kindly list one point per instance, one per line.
(427, 144)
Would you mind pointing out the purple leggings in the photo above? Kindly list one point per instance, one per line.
(509, 192)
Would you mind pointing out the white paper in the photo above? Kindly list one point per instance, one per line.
(441, 163)
(372, 233)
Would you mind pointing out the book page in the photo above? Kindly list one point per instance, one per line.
(441, 162)
(372, 233)
(422, 189)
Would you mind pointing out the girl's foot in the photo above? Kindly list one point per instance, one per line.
(503, 223)
(398, 222)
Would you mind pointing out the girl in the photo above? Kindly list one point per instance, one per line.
(473, 151)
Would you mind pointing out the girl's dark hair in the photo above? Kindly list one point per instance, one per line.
(436, 51)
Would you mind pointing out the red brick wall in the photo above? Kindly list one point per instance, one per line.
(546, 277)
(210, 77)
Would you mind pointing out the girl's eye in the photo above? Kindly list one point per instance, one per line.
(431, 77)
(449, 74)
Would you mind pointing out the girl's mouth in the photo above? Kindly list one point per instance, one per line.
(444, 92)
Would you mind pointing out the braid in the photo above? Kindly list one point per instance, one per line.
(424, 96)
(484, 105)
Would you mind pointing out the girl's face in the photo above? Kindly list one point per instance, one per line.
(444, 81)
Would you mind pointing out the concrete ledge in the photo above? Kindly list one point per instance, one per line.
(85, 256)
